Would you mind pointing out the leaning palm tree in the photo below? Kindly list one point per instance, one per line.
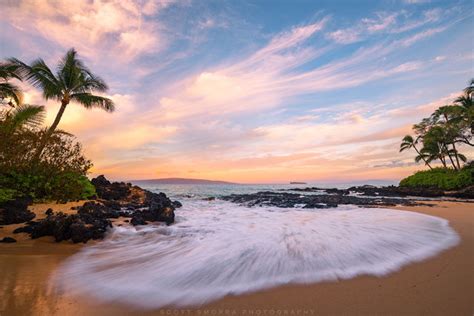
(8, 91)
(72, 82)
(407, 143)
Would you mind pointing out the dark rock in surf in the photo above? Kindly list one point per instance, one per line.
(387, 191)
(318, 201)
(137, 220)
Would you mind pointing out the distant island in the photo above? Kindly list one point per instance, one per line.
(296, 182)
(180, 181)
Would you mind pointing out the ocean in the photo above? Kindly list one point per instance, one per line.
(217, 248)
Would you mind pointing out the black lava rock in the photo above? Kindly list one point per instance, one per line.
(111, 191)
(287, 200)
(16, 211)
(137, 220)
(177, 204)
(79, 227)
(8, 240)
(24, 229)
(132, 201)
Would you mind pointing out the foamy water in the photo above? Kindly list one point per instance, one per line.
(218, 248)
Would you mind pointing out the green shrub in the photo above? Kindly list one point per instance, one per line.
(63, 186)
(59, 175)
(441, 178)
(7, 195)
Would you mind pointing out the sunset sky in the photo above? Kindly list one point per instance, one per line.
(251, 91)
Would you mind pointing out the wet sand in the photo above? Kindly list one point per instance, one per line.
(443, 285)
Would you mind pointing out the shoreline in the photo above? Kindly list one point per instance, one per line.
(440, 285)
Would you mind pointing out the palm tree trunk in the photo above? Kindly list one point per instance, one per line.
(443, 161)
(457, 156)
(50, 130)
(419, 154)
(450, 158)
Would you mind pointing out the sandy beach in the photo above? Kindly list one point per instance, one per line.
(438, 286)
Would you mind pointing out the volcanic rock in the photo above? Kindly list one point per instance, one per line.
(16, 211)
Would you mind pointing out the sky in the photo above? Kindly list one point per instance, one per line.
(251, 91)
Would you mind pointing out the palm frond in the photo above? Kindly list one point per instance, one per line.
(470, 88)
(408, 139)
(464, 101)
(94, 101)
(93, 83)
(69, 70)
(9, 71)
(41, 76)
(8, 90)
(23, 115)
(462, 157)
(28, 115)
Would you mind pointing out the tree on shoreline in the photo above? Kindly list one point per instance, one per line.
(407, 143)
(73, 82)
(442, 132)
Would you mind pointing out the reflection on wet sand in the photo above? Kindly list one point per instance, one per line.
(24, 288)
(26, 267)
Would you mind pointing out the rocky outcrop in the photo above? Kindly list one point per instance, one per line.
(388, 191)
(93, 218)
(16, 211)
(466, 193)
(111, 191)
(75, 227)
(287, 200)
(141, 205)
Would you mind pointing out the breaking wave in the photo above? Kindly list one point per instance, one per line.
(219, 248)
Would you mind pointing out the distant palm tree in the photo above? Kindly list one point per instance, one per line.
(9, 91)
(73, 82)
(469, 90)
(407, 143)
(451, 115)
(466, 101)
(425, 156)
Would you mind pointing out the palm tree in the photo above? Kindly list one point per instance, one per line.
(449, 130)
(466, 101)
(9, 91)
(433, 151)
(72, 82)
(407, 143)
(469, 90)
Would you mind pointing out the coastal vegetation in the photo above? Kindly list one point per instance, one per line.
(437, 141)
(45, 163)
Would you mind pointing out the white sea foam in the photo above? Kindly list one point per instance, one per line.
(219, 248)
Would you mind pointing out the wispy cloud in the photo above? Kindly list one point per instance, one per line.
(123, 28)
(296, 103)
(384, 23)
